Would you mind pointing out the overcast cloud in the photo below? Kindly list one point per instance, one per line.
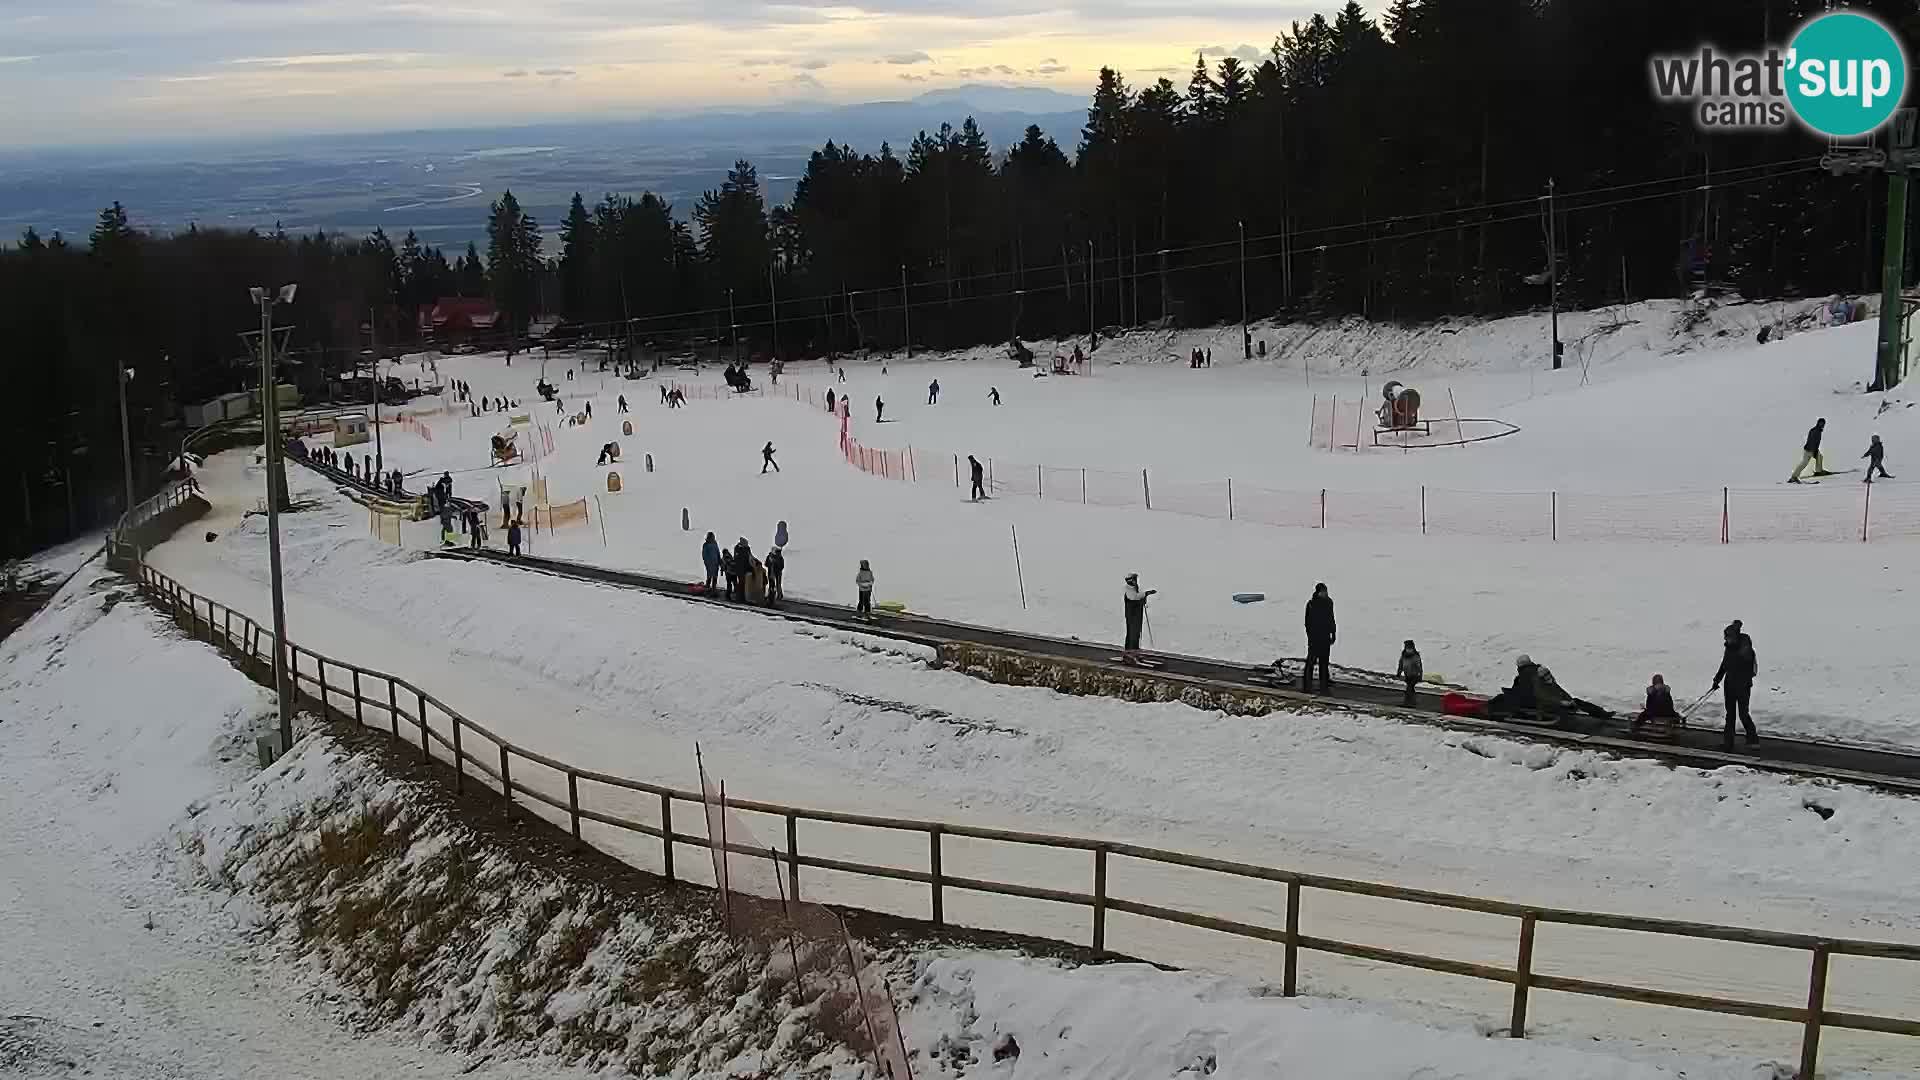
(102, 71)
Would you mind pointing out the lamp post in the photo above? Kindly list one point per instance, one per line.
(126, 444)
(276, 491)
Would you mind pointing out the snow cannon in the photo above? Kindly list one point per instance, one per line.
(1399, 407)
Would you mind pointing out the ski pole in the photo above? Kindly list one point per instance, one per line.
(1149, 622)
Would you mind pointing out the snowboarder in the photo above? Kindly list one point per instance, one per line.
(973, 467)
(776, 568)
(1810, 453)
(623, 402)
(766, 459)
(864, 582)
(1738, 666)
(1659, 704)
(933, 392)
(1133, 604)
(829, 399)
(513, 538)
(993, 395)
(1320, 635)
(1411, 671)
(710, 558)
(1876, 459)
(879, 411)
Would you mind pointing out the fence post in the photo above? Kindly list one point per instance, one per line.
(393, 708)
(573, 804)
(359, 714)
(793, 855)
(1323, 508)
(506, 778)
(1083, 487)
(1099, 899)
(1816, 1005)
(1553, 516)
(956, 470)
(1039, 482)
(1145, 490)
(1288, 983)
(1229, 498)
(1522, 978)
(666, 831)
(226, 627)
(1866, 509)
(459, 762)
(1423, 509)
(939, 906)
(426, 747)
(1726, 505)
(321, 660)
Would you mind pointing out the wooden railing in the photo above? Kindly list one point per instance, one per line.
(416, 717)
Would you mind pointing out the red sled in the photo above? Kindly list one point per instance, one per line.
(1455, 704)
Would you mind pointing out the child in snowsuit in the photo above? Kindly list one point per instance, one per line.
(1411, 670)
(513, 537)
(776, 568)
(864, 582)
(1876, 459)
(1659, 704)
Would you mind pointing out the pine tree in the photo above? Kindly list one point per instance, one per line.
(578, 258)
(513, 260)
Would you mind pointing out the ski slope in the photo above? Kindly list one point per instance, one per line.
(1653, 427)
(629, 682)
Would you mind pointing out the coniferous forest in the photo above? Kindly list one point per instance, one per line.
(1393, 164)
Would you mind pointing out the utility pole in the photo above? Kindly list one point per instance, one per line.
(373, 345)
(1892, 274)
(906, 312)
(276, 493)
(1093, 335)
(773, 291)
(126, 444)
(1553, 277)
(1246, 339)
(733, 328)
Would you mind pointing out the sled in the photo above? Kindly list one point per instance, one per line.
(892, 607)
(1248, 597)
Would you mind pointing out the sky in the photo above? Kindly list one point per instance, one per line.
(99, 72)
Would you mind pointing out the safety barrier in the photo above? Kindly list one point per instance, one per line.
(572, 798)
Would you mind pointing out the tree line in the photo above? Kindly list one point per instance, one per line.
(1392, 167)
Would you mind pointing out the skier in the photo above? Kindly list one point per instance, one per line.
(843, 374)
(1738, 666)
(1133, 603)
(993, 395)
(559, 406)
(710, 558)
(1320, 635)
(1876, 459)
(776, 568)
(663, 395)
(879, 411)
(589, 408)
(766, 458)
(1659, 704)
(864, 582)
(979, 489)
(829, 399)
(623, 403)
(933, 392)
(513, 538)
(1411, 670)
(1810, 453)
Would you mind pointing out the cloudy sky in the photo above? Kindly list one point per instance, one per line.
(102, 71)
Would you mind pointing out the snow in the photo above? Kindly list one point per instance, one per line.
(148, 888)
(1638, 444)
(627, 682)
(112, 968)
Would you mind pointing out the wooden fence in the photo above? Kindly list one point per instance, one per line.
(553, 788)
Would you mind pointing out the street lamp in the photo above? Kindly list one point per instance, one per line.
(126, 444)
(276, 490)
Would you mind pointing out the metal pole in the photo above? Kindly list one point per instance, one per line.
(733, 327)
(126, 445)
(1093, 341)
(906, 312)
(773, 292)
(1891, 273)
(379, 458)
(276, 487)
(1553, 277)
(1246, 340)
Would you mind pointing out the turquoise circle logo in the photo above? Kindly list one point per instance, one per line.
(1846, 73)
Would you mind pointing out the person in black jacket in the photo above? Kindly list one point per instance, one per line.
(1320, 635)
(1810, 453)
(1738, 666)
(776, 569)
(1876, 456)
(978, 474)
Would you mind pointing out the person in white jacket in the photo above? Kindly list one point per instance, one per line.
(864, 579)
(1134, 603)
